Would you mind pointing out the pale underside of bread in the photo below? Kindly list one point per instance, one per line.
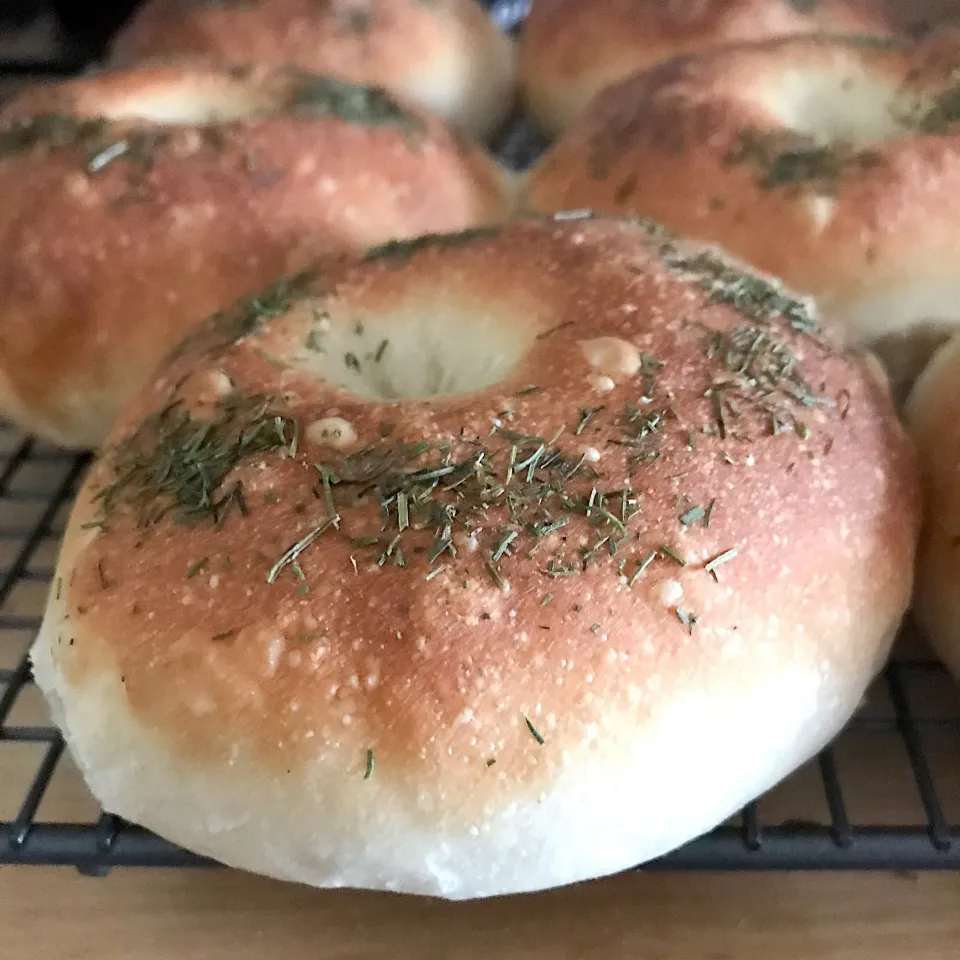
(475, 721)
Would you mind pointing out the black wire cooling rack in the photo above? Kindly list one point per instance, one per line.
(884, 795)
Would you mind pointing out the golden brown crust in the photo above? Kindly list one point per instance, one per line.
(832, 164)
(934, 425)
(446, 55)
(571, 50)
(119, 234)
(621, 521)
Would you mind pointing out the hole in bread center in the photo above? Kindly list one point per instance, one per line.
(836, 106)
(431, 349)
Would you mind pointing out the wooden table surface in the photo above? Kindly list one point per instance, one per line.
(55, 914)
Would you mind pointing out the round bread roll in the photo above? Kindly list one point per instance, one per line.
(571, 50)
(933, 419)
(445, 55)
(135, 203)
(833, 164)
(495, 562)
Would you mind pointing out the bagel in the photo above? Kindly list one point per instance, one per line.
(571, 50)
(832, 164)
(931, 414)
(447, 56)
(135, 203)
(495, 562)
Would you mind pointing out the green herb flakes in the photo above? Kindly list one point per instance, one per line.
(671, 554)
(293, 552)
(719, 561)
(315, 95)
(176, 462)
(400, 251)
(534, 732)
(795, 160)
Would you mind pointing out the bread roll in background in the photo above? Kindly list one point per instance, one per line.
(831, 163)
(497, 561)
(933, 420)
(133, 203)
(444, 55)
(572, 49)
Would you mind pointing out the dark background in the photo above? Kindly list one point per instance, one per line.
(89, 26)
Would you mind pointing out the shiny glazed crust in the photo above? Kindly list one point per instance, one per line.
(135, 203)
(445, 55)
(469, 569)
(832, 164)
(571, 50)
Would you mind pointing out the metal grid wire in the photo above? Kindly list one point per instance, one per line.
(885, 795)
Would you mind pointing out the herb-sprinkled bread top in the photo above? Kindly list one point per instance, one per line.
(768, 385)
(464, 520)
(191, 93)
(830, 162)
(105, 121)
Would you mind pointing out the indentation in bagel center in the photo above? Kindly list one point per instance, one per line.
(423, 350)
(836, 106)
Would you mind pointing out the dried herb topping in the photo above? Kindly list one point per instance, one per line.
(939, 116)
(767, 375)
(175, 463)
(752, 295)
(248, 315)
(508, 492)
(400, 251)
(356, 19)
(52, 130)
(315, 95)
(56, 131)
(789, 159)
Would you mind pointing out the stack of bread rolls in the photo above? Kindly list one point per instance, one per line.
(446, 544)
